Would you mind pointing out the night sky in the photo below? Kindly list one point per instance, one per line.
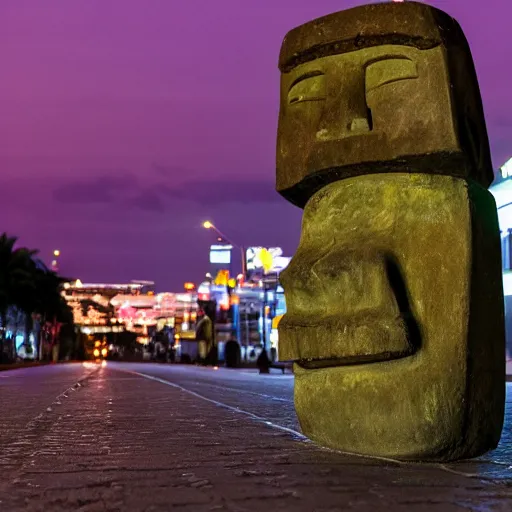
(126, 123)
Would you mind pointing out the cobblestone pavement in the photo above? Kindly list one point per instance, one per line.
(120, 441)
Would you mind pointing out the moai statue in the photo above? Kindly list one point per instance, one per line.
(395, 302)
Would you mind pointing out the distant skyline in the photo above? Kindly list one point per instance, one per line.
(126, 123)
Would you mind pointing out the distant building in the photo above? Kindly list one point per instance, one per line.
(501, 189)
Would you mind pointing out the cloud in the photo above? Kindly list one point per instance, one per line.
(215, 192)
(159, 189)
(100, 189)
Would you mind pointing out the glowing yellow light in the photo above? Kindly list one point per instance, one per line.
(266, 259)
(103, 363)
(189, 286)
(104, 352)
(222, 278)
(215, 367)
(207, 224)
(176, 336)
(96, 353)
(56, 253)
(97, 343)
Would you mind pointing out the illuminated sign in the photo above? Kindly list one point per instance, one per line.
(506, 169)
(280, 263)
(257, 257)
(220, 254)
(265, 260)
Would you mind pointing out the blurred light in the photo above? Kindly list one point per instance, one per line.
(215, 367)
(207, 224)
(54, 263)
(103, 363)
(176, 336)
(189, 286)
(506, 169)
(97, 343)
(96, 353)
(56, 253)
(104, 352)
(507, 283)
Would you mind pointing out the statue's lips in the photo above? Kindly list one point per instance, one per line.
(335, 341)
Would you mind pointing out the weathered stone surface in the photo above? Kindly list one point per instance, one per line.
(398, 275)
(380, 88)
(395, 300)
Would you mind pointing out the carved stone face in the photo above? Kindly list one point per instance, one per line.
(371, 105)
(394, 297)
(389, 301)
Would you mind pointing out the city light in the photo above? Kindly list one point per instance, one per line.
(506, 169)
(207, 224)
(56, 253)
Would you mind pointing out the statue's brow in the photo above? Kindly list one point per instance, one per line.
(305, 76)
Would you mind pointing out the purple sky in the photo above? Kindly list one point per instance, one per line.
(125, 123)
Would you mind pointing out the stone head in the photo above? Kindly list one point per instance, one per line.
(394, 296)
(387, 87)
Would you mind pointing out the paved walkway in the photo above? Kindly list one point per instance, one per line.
(121, 442)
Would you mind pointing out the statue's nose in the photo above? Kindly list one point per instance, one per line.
(344, 115)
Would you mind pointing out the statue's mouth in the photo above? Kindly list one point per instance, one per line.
(335, 341)
(315, 364)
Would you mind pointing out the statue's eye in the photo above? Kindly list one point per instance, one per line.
(389, 70)
(307, 88)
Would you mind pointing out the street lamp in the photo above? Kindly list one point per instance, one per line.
(210, 225)
(55, 261)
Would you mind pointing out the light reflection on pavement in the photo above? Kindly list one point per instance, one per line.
(271, 396)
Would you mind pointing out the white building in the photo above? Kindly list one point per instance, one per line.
(501, 189)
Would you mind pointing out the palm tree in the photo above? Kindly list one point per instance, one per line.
(49, 303)
(16, 273)
(29, 287)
